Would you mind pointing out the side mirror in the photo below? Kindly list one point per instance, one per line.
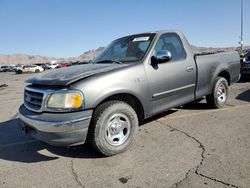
(163, 56)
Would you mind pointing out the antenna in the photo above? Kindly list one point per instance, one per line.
(241, 35)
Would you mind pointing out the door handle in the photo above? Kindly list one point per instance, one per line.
(189, 69)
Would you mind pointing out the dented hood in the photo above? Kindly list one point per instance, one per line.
(69, 75)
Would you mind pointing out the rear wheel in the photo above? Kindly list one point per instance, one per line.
(19, 72)
(219, 96)
(113, 127)
(37, 70)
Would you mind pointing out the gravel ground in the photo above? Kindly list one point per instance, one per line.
(191, 146)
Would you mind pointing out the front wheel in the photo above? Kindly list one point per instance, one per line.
(37, 71)
(113, 127)
(219, 96)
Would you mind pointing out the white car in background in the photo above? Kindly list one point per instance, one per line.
(29, 69)
(52, 65)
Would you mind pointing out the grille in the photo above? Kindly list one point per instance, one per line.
(33, 99)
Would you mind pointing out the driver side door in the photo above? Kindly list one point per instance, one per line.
(171, 83)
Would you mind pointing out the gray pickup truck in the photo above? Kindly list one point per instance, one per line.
(134, 78)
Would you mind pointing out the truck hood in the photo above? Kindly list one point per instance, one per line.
(69, 75)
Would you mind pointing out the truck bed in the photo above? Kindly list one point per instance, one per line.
(210, 65)
(208, 53)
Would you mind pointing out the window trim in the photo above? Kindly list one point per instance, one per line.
(172, 33)
(148, 50)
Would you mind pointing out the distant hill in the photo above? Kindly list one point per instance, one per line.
(32, 59)
(86, 56)
(197, 49)
(24, 59)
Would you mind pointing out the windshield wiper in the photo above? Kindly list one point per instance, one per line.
(110, 60)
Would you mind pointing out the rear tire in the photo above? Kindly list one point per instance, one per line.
(19, 72)
(219, 96)
(113, 128)
(37, 71)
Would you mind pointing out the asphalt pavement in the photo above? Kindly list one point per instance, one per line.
(190, 146)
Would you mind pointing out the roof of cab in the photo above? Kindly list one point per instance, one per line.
(157, 32)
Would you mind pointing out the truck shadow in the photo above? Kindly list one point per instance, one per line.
(14, 146)
(244, 96)
(158, 116)
(244, 79)
(196, 106)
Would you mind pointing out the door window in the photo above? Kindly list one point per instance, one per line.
(172, 43)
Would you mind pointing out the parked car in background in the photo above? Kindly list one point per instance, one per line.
(79, 63)
(19, 65)
(245, 64)
(61, 65)
(29, 69)
(4, 68)
(7, 68)
(12, 68)
(43, 65)
(52, 65)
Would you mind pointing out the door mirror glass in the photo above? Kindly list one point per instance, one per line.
(163, 56)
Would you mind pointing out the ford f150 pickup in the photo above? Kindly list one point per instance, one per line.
(135, 77)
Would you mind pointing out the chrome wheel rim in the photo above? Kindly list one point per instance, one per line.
(117, 129)
(222, 93)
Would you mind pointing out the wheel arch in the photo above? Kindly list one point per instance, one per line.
(225, 74)
(132, 100)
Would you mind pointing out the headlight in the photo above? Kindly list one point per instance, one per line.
(65, 100)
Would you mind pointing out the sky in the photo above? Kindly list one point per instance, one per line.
(67, 28)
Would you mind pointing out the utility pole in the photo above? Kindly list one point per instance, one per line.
(241, 35)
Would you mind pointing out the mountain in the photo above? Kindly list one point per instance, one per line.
(32, 59)
(86, 56)
(24, 59)
(92, 53)
(197, 49)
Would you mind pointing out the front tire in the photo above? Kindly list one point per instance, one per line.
(113, 127)
(37, 71)
(219, 96)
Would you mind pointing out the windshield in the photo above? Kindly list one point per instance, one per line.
(128, 49)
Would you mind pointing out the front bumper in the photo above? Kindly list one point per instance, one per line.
(60, 129)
